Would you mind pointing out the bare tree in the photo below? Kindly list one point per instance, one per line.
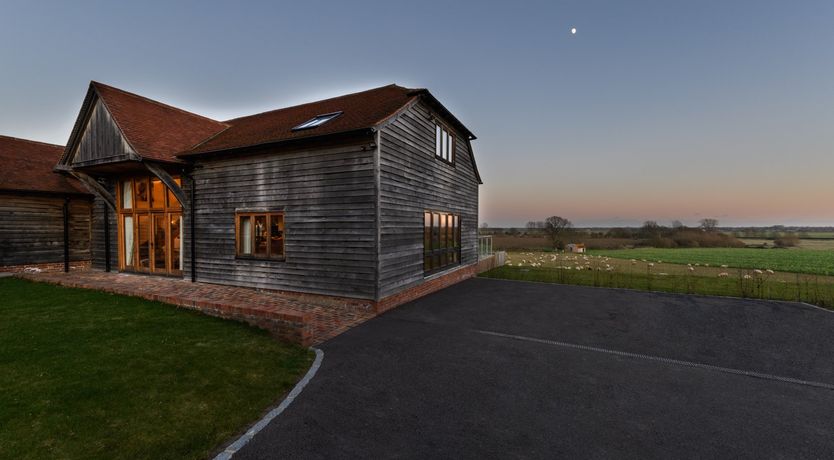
(557, 229)
(677, 225)
(709, 225)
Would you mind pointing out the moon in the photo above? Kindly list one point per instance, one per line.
(573, 30)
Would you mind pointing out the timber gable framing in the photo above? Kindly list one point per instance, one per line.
(98, 139)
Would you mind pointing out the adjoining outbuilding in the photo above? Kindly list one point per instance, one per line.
(371, 195)
(44, 217)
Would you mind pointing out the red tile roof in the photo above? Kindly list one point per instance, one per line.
(27, 166)
(155, 130)
(158, 131)
(361, 110)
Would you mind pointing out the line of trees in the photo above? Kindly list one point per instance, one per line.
(560, 231)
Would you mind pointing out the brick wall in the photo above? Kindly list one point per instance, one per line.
(427, 287)
(45, 267)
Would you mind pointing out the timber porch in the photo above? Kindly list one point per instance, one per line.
(306, 319)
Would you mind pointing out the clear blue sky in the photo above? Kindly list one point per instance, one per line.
(653, 110)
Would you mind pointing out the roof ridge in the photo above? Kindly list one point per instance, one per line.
(162, 104)
(315, 102)
(32, 141)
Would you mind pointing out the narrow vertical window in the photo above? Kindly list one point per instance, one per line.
(141, 193)
(127, 194)
(276, 235)
(127, 234)
(260, 236)
(427, 241)
(157, 194)
(438, 135)
(245, 235)
(173, 202)
(176, 242)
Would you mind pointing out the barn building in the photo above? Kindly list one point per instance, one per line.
(44, 217)
(371, 195)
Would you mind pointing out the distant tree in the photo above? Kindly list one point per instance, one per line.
(557, 229)
(677, 225)
(709, 224)
(650, 229)
(535, 225)
(485, 226)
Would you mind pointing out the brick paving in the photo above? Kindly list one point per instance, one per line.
(306, 319)
(301, 318)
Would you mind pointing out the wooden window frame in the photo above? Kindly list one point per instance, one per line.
(171, 207)
(445, 241)
(268, 216)
(438, 143)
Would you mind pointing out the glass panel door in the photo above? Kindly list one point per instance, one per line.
(175, 235)
(143, 241)
(160, 243)
(127, 234)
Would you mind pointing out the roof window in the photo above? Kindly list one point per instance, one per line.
(317, 121)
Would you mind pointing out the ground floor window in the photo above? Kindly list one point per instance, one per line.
(441, 240)
(149, 226)
(259, 235)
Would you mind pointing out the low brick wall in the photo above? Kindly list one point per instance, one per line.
(45, 267)
(427, 287)
(305, 319)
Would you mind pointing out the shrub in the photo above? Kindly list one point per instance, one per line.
(787, 240)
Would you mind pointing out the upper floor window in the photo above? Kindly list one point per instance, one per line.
(260, 235)
(444, 143)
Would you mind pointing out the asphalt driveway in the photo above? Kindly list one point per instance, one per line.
(497, 369)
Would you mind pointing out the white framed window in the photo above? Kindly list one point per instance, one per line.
(444, 143)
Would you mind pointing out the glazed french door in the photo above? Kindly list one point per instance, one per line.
(150, 227)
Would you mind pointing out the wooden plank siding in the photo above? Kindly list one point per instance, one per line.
(413, 180)
(101, 141)
(32, 229)
(327, 196)
(97, 234)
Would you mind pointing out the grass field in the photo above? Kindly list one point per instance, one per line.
(596, 270)
(84, 374)
(786, 260)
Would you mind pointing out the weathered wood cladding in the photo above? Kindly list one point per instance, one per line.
(413, 180)
(327, 195)
(32, 228)
(97, 234)
(101, 141)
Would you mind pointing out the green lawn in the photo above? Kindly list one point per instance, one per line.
(84, 374)
(819, 262)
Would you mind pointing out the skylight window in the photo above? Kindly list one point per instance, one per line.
(317, 121)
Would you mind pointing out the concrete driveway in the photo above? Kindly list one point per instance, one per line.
(498, 369)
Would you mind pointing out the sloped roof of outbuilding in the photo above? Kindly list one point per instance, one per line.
(27, 166)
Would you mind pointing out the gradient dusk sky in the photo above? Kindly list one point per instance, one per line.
(653, 110)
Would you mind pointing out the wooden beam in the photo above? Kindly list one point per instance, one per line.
(169, 182)
(94, 187)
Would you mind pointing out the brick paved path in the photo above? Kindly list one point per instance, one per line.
(301, 318)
